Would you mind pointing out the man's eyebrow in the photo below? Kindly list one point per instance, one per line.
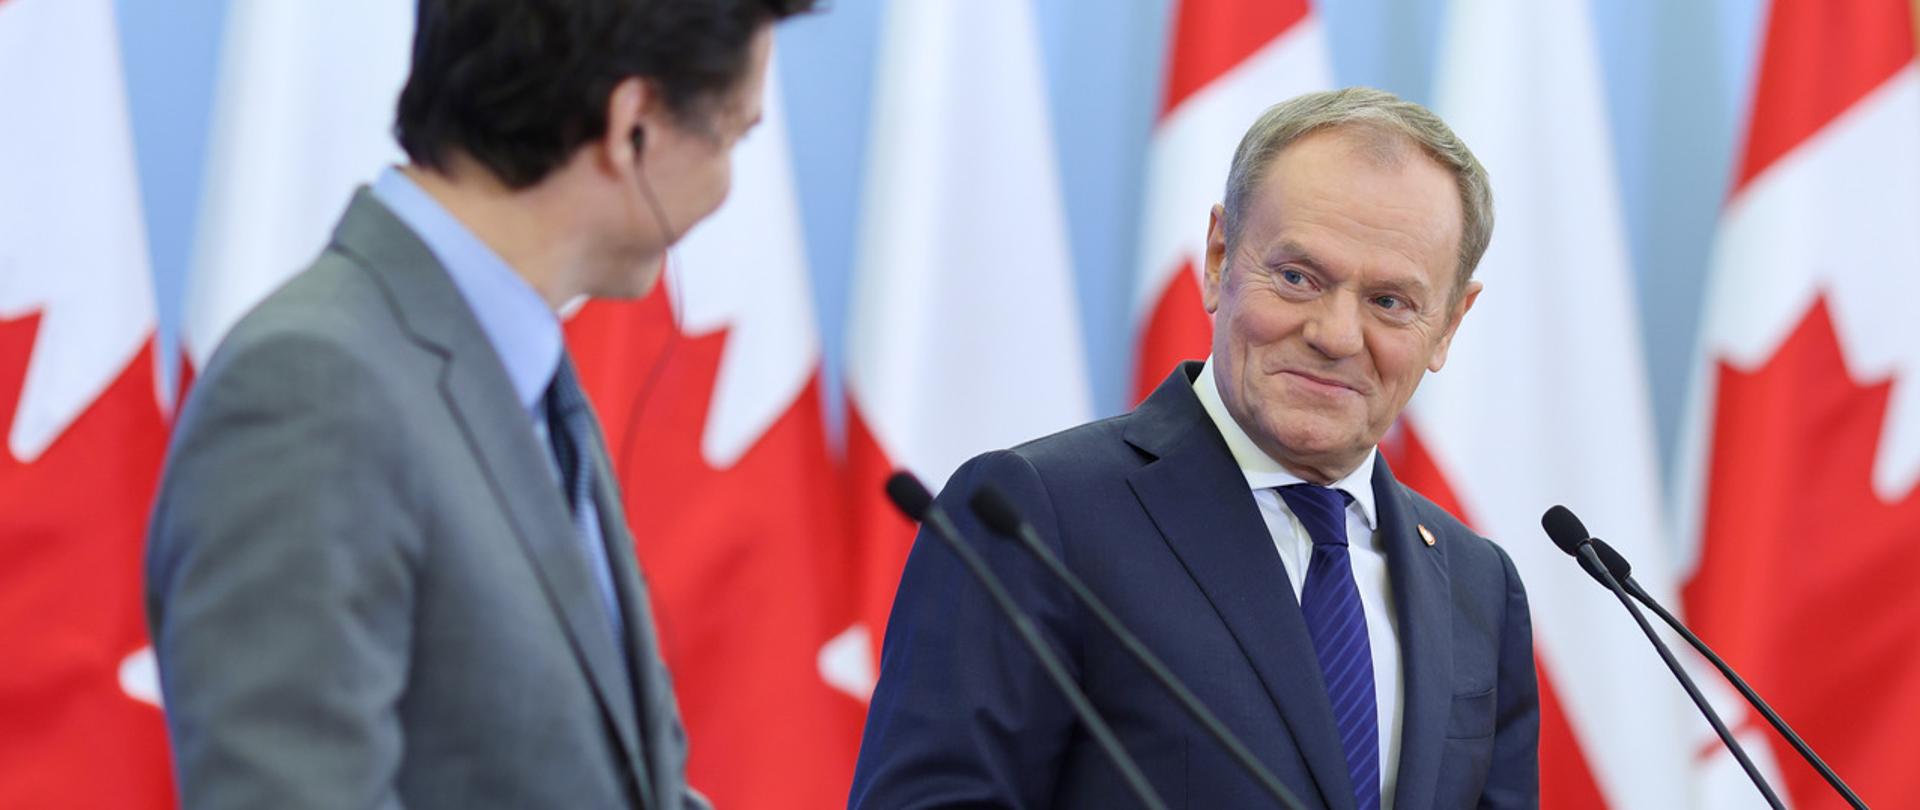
(1292, 252)
(1411, 286)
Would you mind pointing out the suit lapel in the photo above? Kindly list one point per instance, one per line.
(1197, 497)
(1418, 575)
(499, 431)
(659, 715)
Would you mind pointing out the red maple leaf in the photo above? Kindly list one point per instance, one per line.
(72, 526)
(748, 565)
(1805, 576)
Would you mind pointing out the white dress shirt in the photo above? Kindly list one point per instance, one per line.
(1368, 553)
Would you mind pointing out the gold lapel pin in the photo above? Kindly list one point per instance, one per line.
(1426, 535)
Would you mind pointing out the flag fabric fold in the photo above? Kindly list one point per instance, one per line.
(303, 113)
(965, 333)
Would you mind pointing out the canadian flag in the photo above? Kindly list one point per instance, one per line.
(715, 426)
(81, 418)
(964, 335)
(1544, 398)
(303, 113)
(1803, 445)
(1230, 61)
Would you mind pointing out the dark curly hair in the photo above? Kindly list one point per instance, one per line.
(519, 85)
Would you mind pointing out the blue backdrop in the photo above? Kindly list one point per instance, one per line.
(1677, 77)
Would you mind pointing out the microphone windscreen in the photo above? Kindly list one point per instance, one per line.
(993, 508)
(1566, 530)
(1616, 564)
(909, 495)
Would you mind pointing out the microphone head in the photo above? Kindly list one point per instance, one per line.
(1616, 564)
(909, 495)
(994, 509)
(1566, 530)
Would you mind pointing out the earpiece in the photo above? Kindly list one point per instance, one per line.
(659, 214)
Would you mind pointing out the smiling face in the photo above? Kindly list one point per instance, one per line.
(1337, 296)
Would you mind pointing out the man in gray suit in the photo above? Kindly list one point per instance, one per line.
(388, 564)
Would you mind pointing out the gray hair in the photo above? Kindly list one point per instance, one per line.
(1395, 123)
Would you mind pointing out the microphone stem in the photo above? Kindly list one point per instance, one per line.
(1590, 557)
(1057, 672)
(1773, 718)
(1158, 669)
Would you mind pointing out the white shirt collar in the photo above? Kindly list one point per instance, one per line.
(1261, 471)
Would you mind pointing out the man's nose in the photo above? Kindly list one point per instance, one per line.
(1334, 330)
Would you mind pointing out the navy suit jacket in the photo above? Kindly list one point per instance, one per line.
(1152, 511)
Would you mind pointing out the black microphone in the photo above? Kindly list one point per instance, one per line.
(999, 514)
(912, 499)
(1623, 573)
(1572, 537)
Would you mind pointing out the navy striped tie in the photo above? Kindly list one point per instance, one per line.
(1331, 603)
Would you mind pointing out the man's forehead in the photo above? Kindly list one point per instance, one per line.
(1314, 217)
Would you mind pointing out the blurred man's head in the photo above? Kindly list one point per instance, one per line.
(623, 111)
(1338, 269)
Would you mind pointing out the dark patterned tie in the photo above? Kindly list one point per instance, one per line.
(1331, 603)
(566, 425)
(569, 431)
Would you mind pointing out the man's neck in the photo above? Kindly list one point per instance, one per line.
(520, 226)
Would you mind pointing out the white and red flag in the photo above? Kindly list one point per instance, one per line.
(1230, 60)
(80, 418)
(1544, 398)
(714, 422)
(1803, 442)
(965, 333)
(302, 114)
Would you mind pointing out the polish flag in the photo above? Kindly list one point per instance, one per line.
(714, 423)
(965, 334)
(303, 114)
(1803, 445)
(81, 418)
(1544, 398)
(1230, 61)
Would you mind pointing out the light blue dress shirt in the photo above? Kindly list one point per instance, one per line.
(524, 332)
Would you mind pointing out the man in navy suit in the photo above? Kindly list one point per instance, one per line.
(1371, 650)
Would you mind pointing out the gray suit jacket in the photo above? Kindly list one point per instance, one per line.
(363, 586)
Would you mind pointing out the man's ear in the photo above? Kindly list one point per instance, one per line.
(1216, 260)
(630, 109)
(1458, 314)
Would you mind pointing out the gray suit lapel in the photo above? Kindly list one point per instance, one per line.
(1421, 588)
(496, 426)
(665, 739)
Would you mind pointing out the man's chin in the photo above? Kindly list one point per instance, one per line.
(1320, 450)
